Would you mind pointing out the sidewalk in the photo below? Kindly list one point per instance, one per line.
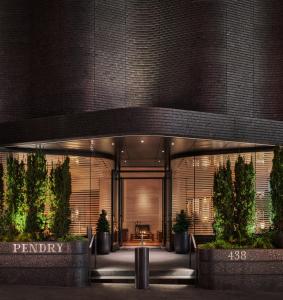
(128, 292)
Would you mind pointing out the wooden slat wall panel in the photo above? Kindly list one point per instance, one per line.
(143, 203)
(91, 188)
(193, 188)
(183, 185)
(263, 167)
(91, 185)
(89, 196)
(204, 170)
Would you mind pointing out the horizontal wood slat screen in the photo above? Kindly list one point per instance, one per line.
(193, 188)
(91, 188)
(143, 204)
(91, 191)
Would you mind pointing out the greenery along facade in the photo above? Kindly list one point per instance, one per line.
(235, 205)
(61, 188)
(234, 202)
(276, 184)
(34, 204)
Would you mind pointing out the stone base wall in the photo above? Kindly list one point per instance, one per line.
(45, 263)
(246, 269)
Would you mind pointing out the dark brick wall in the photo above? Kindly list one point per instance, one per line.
(144, 121)
(192, 55)
(268, 59)
(110, 54)
(68, 56)
(14, 59)
(63, 57)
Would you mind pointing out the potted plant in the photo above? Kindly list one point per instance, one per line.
(103, 235)
(181, 238)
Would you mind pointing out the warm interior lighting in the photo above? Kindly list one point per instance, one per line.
(262, 225)
(205, 210)
(142, 141)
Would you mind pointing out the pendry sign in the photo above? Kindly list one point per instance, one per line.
(37, 248)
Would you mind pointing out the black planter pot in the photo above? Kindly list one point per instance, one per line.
(103, 243)
(181, 242)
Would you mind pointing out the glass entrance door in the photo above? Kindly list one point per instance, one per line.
(142, 211)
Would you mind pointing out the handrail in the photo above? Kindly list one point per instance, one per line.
(91, 241)
(192, 242)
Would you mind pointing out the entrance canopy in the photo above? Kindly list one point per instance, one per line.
(140, 151)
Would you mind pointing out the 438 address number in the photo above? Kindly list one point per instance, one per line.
(238, 255)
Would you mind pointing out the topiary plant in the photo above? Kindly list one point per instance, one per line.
(182, 222)
(102, 223)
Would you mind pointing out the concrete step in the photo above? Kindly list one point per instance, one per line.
(131, 272)
(173, 276)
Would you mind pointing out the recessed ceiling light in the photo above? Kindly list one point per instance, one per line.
(173, 144)
(113, 144)
(125, 161)
(142, 141)
(163, 151)
(122, 151)
(159, 161)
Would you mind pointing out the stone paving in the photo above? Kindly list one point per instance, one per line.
(128, 292)
(159, 259)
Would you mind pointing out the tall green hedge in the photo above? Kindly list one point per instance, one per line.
(36, 190)
(276, 185)
(3, 220)
(234, 202)
(15, 195)
(25, 203)
(245, 206)
(1, 188)
(60, 182)
(223, 199)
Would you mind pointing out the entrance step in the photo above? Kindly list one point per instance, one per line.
(173, 276)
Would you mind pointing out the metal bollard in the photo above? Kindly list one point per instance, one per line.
(142, 268)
